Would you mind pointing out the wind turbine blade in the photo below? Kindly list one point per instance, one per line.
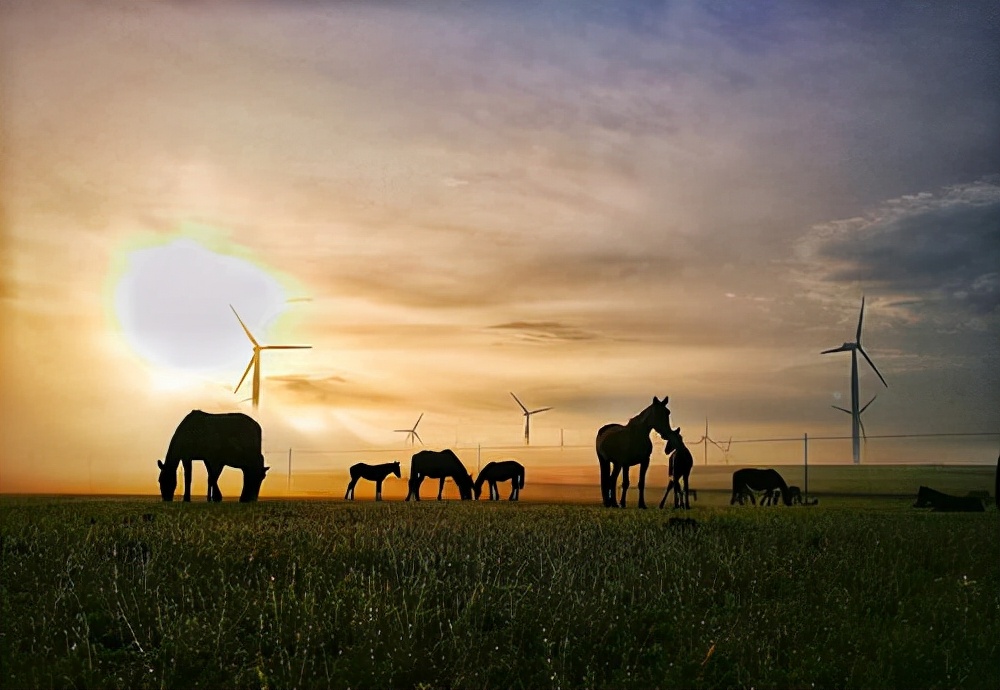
(540, 409)
(862, 316)
(841, 409)
(243, 378)
(286, 347)
(836, 349)
(873, 366)
(418, 421)
(863, 434)
(418, 437)
(245, 329)
(402, 431)
(519, 403)
(866, 405)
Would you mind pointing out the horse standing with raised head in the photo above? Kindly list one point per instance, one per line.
(219, 440)
(749, 480)
(624, 445)
(438, 465)
(505, 470)
(373, 473)
(678, 469)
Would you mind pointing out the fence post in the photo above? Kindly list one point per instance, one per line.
(289, 470)
(805, 457)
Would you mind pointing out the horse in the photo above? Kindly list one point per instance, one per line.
(946, 503)
(678, 469)
(500, 472)
(627, 445)
(219, 440)
(374, 473)
(438, 465)
(748, 480)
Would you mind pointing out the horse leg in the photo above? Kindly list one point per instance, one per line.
(666, 493)
(441, 488)
(378, 489)
(686, 503)
(214, 471)
(349, 496)
(187, 479)
(607, 485)
(513, 489)
(642, 483)
(625, 485)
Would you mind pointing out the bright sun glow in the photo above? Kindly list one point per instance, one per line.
(173, 306)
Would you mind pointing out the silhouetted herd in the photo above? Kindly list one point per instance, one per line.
(234, 440)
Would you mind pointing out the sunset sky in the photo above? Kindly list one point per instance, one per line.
(585, 203)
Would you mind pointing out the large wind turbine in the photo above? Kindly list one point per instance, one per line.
(411, 433)
(855, 412)
(255, 359)
(527, 418)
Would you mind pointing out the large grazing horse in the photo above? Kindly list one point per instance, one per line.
(219, 440)
(749, 480)
(945, 503)
(438, 465)
(500, 472)
(678, 469)
(374, 473)
(627, 445)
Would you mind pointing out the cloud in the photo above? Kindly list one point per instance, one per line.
(544, 331)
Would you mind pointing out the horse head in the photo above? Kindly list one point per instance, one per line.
(674, 441)
(168, 481)
(923, 498)
(395, 469)
(657, 416)
(252, 479)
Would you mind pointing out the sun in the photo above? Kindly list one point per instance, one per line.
(171, 303)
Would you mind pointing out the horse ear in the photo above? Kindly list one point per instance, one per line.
(159, 463)
(677, 430)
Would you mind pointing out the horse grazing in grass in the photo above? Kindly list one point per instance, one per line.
(678, 469)
(749, 480)
(438, 465)
(500, 472)
(219, 440)
(945, 503)
(625, 445)
(373, 473)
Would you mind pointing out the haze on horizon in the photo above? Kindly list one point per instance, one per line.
(584, 203)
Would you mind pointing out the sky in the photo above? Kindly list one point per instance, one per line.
(587, 204)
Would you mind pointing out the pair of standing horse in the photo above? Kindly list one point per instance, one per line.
(621, 446)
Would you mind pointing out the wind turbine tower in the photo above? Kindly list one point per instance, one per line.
(855, 411)
(412, 433)
(255, 359)
(527, 418)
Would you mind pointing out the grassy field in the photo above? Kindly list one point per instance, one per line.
(134, 593)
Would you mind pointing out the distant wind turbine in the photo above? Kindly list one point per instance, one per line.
(255, 359)
(527, 418)
(412, 433)
(855, 412)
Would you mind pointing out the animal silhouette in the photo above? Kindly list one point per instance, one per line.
(219, 440)
(945, 503)
(501, 472)
(678, 469)
(438, 465)
(374, 473)
(622, 446)
(996, 490)
(749, 480)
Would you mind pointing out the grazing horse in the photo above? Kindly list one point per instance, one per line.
(438, 465)
(678, 469)
(219, 440)
(500, 472)
(749, 480)
(627, 445)
(945, 503)
(373, 473)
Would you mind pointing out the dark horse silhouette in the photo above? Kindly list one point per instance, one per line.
(500, 472)
(374, 473)
(749, 480)
(627, 445)
(219, 440)
(945, 503)
(678, 468)
(438, 465)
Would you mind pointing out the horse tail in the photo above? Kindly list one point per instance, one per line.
(520, 479)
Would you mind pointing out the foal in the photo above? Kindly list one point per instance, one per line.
(679, 468)
(375, 473)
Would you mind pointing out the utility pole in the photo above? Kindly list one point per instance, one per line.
(289, 470)
(805, 457)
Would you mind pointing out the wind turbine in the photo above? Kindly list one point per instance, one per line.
(527, 417)
(855, 412)
(411, 433)
(860, 412)
(255, 359)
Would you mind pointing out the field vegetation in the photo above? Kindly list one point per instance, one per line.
(133, 593)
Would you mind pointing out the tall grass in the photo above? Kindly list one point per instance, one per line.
(302, 594)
